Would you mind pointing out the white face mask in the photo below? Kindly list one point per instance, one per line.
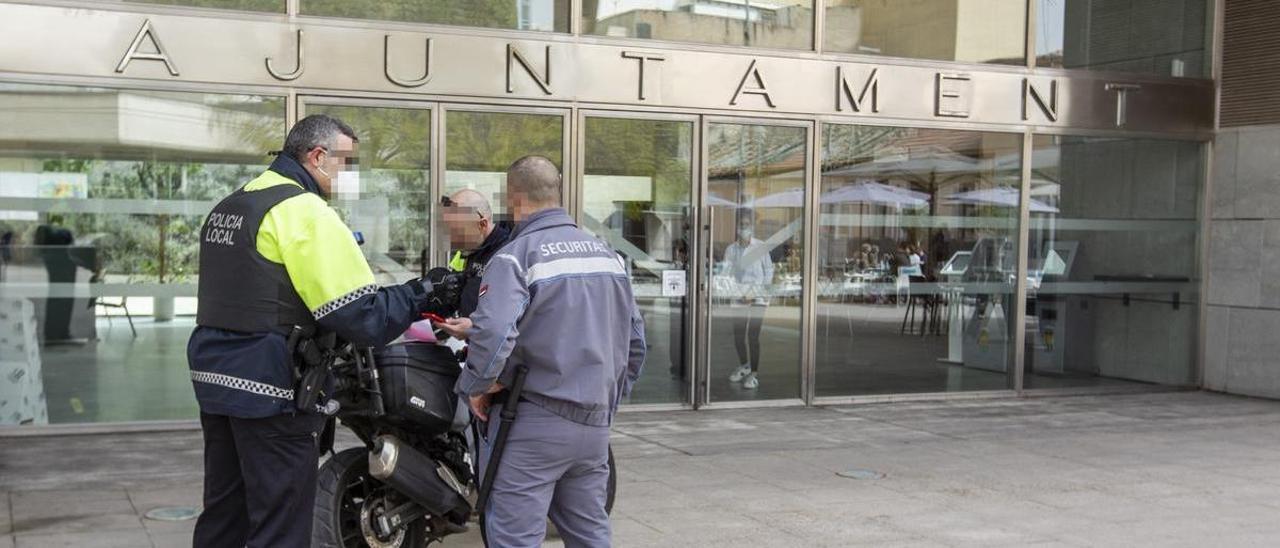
(744, 234)
(347, 185)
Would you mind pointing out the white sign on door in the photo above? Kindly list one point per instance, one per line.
(673, 283)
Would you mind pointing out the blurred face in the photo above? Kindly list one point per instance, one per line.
(745, 230)
(325, 165)
(467, 227)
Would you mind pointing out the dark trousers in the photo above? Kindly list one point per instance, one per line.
(675, 341)
(746, 335)
(58, 310)
(259, 481)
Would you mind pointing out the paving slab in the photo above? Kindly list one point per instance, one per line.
(72, 511)
(6, 517)
(1167, 469)
(112, 539)
(171, 540)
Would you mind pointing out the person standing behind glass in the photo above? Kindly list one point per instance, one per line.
(676, 341)
(6, 251)
(748, 260)
(54, 241)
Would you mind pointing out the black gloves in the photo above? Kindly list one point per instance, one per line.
(446, 291)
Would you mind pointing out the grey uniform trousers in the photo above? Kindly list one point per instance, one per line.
(551, 466)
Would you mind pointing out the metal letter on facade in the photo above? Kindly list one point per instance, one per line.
(942, 92)
(297, 71)
(160, 55)
(386, 66)
(843, 92)
(514, 56)
(642, 57)
(1122, 101)
(761, 88)
(1030, 93)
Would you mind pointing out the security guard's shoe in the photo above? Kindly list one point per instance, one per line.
(740, 373)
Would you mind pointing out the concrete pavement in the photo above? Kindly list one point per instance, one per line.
(1165, 469)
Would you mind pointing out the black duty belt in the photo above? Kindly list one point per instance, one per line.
(504, 396)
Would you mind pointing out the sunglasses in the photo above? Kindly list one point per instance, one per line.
(448, 202)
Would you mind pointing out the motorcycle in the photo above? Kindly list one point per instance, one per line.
(407, 486)
(414, 480)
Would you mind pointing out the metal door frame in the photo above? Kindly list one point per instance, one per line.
(704, 260)
(692, 299)
(298, 104)
(567, 145)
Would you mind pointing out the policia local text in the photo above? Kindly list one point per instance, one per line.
(222, 227)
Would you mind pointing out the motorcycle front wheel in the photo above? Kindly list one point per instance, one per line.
(347, 501)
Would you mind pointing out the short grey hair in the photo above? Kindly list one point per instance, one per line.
(537, 178)
(317, 130)
(474, 200)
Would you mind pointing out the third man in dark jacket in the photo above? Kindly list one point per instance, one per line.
(477, 236)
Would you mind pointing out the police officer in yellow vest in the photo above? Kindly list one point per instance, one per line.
(273, 255)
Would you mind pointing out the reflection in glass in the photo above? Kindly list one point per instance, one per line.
(277, 6)
(102, 194)
(1166, 38)
(480, 146)
(1112, 261)
(755, 197)
(784, 24)
(539, 15)
(393, 206)
(917, 260)
(636, 194)
(975, 31)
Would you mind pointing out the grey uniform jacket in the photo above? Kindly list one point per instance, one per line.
(558, 301)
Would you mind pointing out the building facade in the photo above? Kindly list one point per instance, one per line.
(1244, 308)
(862, 200)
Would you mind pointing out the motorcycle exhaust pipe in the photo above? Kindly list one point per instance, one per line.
(416, 476)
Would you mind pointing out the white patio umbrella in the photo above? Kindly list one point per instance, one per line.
(921, 164)
(1001, 196)
(1040, 186)
(871, 192)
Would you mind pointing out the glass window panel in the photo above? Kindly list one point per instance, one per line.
(393, 208)
(1112, 262)
(1166, 38)
(539, 15)
(636, 194)
(917, 260)
(755, 195)
(277, 6)
(480, 146)
(771, 24)
(975, 31)
(102, 195)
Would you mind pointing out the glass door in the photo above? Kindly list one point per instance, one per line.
(753, 259)
(637, 193)
(391, 206)
(481, 143)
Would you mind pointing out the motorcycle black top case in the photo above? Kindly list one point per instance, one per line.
(417, 386)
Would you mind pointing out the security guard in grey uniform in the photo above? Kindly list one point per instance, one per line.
(557, 302)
